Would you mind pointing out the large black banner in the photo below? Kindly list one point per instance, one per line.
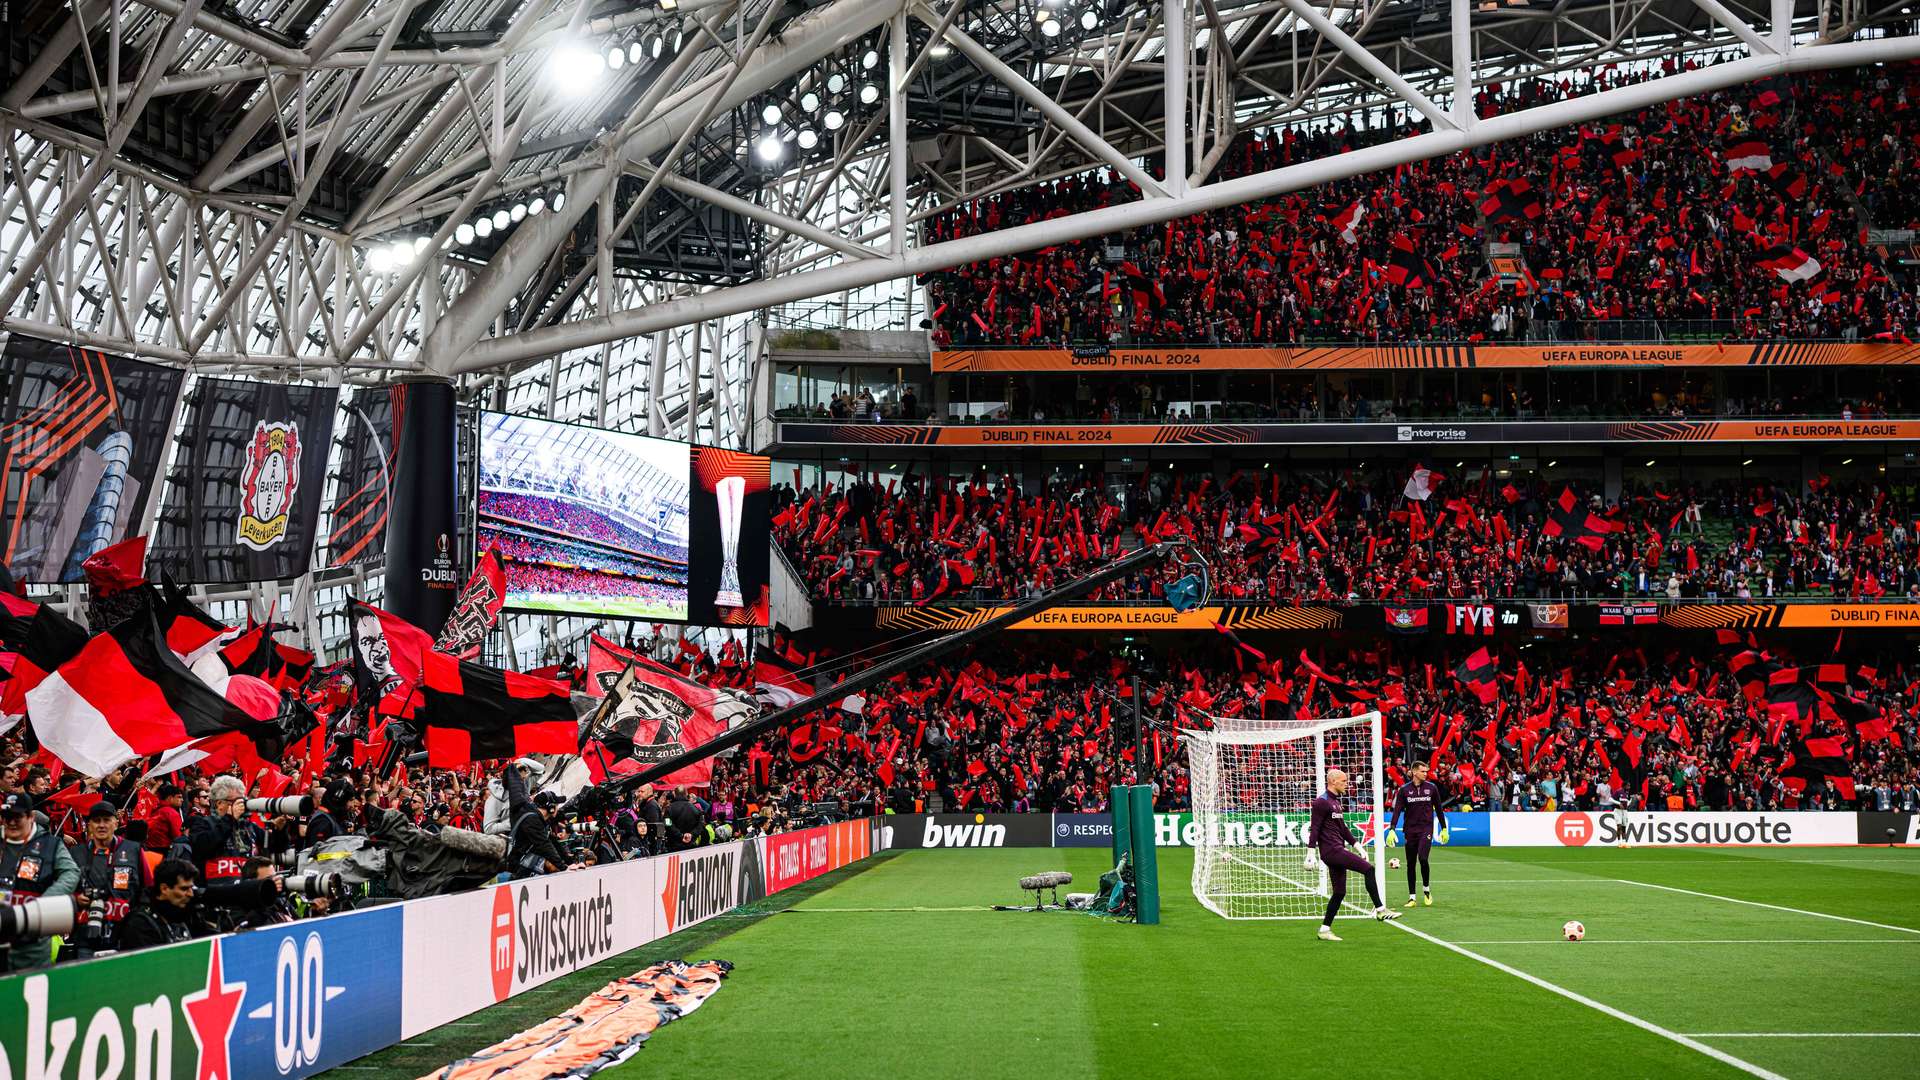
(357, 522)
(83, 434)
(423, 574)
(243, 498)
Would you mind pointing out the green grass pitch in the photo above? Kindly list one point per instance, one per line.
(1697, 963)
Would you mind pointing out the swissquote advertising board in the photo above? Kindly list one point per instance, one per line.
(1578, 828)
(296, 999)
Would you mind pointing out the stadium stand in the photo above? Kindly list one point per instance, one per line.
(1351, 535)
(1744, 211)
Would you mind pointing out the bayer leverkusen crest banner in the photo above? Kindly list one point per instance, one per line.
(245, 498)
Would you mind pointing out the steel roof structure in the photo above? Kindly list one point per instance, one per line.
(359, 189)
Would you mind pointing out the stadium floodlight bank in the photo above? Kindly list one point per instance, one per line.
(1254, 782)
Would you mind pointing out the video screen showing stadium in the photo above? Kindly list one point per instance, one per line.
(584, 520)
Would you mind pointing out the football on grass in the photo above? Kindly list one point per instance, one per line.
(1574, 930)
(1393, 864)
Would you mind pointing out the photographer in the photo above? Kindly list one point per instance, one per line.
(530, 847)
(113, 878)
(33, 863)
(167, 916)
(221, 842)
(339, 814)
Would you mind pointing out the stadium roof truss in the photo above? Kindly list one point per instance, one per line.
(363, 189)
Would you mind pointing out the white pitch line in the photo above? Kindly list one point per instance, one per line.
(1807, 1035)
(1774, 907)
(1528, 881)
(1703, 941)
(1690, 1043)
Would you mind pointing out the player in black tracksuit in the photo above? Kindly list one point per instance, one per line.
(1420, 800)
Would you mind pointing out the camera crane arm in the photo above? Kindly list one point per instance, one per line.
(1145, 556)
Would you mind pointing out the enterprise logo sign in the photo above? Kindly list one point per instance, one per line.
(1409, 433)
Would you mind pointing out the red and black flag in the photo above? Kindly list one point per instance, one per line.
(1750, 155)
(1812, 761)
(471, 712)
(1569, 519)
(1480, 674)
(388, 655)
(1405, 266)
(1264, 533)
(1510, 200)
(1339, 689)
(650, 713)
(125, 695)
(776, 679)
(476, 610)
(1786, 181)
(191, 633)
(41, 639)
(1792, 264)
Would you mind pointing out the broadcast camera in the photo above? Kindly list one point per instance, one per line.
(37, 918)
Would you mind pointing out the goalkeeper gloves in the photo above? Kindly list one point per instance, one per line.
(1313, 859)
(1444, 833)
(1393, 839)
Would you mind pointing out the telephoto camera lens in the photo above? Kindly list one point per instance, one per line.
(287, 806)
(38, 918)
(314, 886)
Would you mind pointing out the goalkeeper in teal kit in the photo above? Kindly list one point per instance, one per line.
(1420, 800)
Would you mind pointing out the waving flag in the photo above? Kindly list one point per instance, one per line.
(476, 611)
(41, 639)
(1568, 519)
(125, 695)
(1792, 264)
(1349, 220)
(777, 681)
(651, 712)
(1480, 674)
(472, 712)
(388, 658)
(1812, 760)
(191, 633)
(1420, 485)
(1510, 200)
(1749, 156)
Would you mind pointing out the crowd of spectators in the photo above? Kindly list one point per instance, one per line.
(1269, 536)
(1044, 726)
(1666, 214)
(580, 520)
(525, 548)
(1657, 721)
(587, 584)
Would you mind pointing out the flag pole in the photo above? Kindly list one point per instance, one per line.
(1146, 555)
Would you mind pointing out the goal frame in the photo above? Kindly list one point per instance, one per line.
(1230, 732)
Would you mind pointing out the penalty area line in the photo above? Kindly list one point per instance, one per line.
(1773, 907)
(1690, 1043)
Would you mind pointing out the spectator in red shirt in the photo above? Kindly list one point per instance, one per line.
(164, 824)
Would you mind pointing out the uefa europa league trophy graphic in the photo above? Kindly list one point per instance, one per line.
(729, 493)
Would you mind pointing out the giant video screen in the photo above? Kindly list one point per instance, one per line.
(594, 522)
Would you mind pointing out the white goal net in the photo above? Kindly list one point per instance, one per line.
(1254, 782)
